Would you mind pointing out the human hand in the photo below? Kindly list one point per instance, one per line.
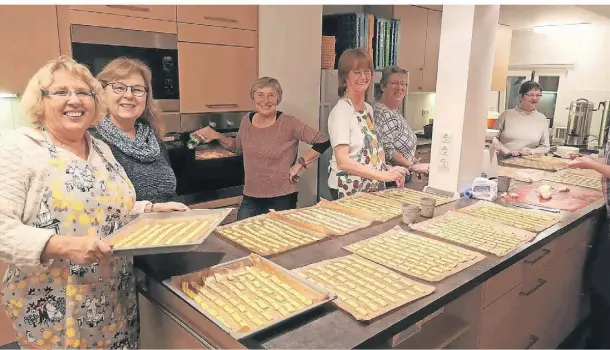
(85, 250)
(394, 174)
(421, 168)
(574, 155)
(581, 163)
(168, 207)
(399, 169)
(207, 134)
(525, 151)
(294, 172)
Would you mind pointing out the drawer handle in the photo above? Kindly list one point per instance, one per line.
(222, 105)
(129, 7)
(220, 19)
(533, 340)
(541, 282)
(545, 252)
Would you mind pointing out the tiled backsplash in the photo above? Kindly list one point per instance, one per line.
(10, 114)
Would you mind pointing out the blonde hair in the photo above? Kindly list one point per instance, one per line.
(123, 67)
(264, 82)
(349, 60)
(31, 100)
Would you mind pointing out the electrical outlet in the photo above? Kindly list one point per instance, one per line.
(425, 112)
(444, 152)
(446, 137)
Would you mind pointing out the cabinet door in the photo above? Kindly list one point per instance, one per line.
(412, 44)
(215, 78)
(29, 39)
(504, 35)
(242, 16)
(433, 41)
(167, 13)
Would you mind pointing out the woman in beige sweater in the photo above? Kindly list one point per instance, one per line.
(61, 192)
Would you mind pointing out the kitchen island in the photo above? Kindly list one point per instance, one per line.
(531, 298)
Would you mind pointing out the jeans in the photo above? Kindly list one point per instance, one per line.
(251, 206)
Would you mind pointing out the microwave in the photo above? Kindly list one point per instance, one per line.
(97, 46)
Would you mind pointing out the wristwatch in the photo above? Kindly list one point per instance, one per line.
(301, 161)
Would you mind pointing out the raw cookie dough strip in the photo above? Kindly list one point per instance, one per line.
(181, 232)
(135, 240)
(160, 238)
(197, 231)
(151, 235)
(131, 236)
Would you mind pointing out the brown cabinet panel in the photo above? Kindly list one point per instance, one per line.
(115, 21)
(196, 33)
(215, 78)
(162, 12)
(412, 44)
(433, 41)
(504, 35)
(242, 16)
(29, 40)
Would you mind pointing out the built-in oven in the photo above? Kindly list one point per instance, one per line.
(96, 46)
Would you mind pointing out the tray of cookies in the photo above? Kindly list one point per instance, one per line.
(569, 178)
(529, 220)
(536, 162)
(365, 290)
(483, 235)
(324, 220)
(161, 233)
(366, 206)
(417, 256)
(248, 295)
(407, 195)
(269, 234)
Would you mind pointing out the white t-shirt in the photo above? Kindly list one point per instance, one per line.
(343, 129)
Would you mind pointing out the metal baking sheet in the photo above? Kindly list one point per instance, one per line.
(363, 211)
(322, 296)
(128, 229)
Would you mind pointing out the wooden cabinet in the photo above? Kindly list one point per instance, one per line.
(418, 48)
(29, 39)
(109, 20)
(242, 16)
(215, 78)
(194, 33)
(504, 35)
(167, 13)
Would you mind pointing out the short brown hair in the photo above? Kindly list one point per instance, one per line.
(31, 100)
(388, 72)
(123, 67)
(265, 82)
(349, 60)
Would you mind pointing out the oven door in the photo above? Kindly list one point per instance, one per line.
(96, 46)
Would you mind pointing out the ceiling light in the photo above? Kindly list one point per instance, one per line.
(560, 28)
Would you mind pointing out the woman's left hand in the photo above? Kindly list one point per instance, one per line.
(581, 163)
(294, 172)
(525, 151)
(168, 207)
(421, 168)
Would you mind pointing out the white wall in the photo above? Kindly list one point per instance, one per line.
(290, 41)
(588, 51)
(10, 114)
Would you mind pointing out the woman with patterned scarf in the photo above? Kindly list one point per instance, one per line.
(132, 129)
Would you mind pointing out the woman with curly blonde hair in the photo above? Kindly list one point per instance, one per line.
(62, 191)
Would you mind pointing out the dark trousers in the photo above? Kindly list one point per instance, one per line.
(251, 206)
(599, 337)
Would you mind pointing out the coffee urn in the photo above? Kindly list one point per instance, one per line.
(604, 123)
(579, 123)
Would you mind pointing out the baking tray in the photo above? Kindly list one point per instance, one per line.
(567, 178)
(366, 295)
(252, 239)
(420, 257)
(530, 220)
(325, 226)
(508, 237)
(217, 215)
(407, 195)
(318, 296)
(362, 212)
(541, 163)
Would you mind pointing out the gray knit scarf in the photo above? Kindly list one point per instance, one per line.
(144, 147)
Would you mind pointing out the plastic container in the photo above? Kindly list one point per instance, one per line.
(410, 213)
(427, 206)
(484, 188)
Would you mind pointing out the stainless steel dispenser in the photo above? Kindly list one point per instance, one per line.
(579, 123)
(604, 123)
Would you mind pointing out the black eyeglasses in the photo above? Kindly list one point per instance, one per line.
(136, 90)
(81, 94)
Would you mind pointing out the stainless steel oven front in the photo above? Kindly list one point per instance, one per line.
(96, 46)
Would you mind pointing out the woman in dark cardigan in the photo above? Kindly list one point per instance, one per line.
(132, 129)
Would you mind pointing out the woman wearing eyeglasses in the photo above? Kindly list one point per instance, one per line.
(523, 130)
(133, 128)
(358, 163)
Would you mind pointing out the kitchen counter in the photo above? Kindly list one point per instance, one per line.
(330, 327)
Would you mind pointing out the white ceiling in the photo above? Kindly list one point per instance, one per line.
(528, 16)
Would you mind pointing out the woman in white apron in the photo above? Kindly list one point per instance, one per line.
(358, 161)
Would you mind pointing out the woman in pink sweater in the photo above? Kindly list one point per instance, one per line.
(269, 139)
